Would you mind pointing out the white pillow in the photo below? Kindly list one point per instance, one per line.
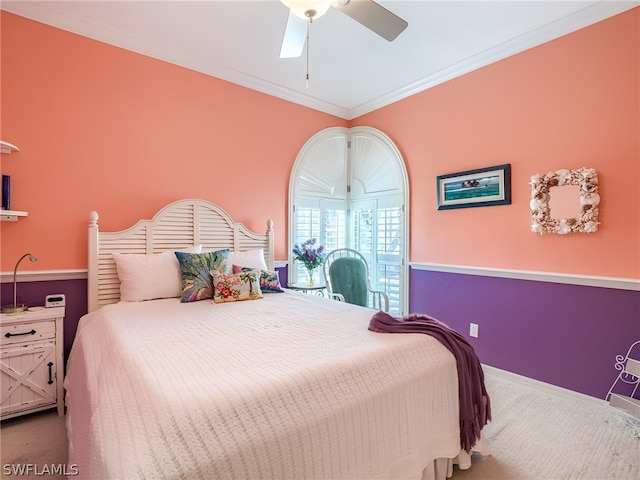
(248, 258)
(147, 277)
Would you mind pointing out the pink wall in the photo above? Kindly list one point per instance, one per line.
(101, 128)
(569, 103)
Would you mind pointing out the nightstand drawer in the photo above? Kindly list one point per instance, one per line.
(28, 332)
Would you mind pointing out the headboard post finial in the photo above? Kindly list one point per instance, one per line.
(93, 218)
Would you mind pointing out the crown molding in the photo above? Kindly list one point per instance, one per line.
(587, 16)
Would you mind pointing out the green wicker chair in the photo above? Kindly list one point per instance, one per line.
(346, 275)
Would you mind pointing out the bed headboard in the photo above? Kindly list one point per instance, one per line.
(179, 225)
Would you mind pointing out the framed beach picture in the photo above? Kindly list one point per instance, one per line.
(475, 188)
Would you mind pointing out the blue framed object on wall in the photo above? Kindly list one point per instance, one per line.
(482, 187)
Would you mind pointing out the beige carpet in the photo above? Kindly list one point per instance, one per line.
(36, 439)
(538, 433)
(541, 432)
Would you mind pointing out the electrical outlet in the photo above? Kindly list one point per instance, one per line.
(473, 330)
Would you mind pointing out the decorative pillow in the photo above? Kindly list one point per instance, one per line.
(149, 276)
(269, 281)
(248, 258)
(233, 287)
(197, 283)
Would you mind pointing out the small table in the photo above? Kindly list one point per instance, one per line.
(32, 346)
(317, 288)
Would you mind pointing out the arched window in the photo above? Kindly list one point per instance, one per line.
(349, 188)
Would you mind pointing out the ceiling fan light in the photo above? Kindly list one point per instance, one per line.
(308, 9)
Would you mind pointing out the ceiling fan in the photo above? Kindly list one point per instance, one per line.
(367, 12)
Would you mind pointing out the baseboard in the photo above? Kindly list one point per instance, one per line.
(539, 385)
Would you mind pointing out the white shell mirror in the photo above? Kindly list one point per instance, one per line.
(565, 201)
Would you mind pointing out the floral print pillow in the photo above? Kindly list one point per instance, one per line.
(195, 269)
(233, 287)
(269, 281)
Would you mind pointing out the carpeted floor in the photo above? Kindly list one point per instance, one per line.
(538, 432)
(38, 439)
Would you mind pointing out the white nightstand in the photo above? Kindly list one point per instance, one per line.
(31, 362)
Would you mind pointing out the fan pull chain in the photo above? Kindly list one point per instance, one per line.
(308, 28)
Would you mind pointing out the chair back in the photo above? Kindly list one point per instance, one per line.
(346, 274)
(348, 277)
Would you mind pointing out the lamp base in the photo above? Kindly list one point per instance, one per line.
(17, 310)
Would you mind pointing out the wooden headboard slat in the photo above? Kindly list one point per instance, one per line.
(179, 225)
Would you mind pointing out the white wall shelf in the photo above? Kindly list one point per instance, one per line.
(6, 147)
(11, 215)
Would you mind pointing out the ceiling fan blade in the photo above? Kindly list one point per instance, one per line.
(373, 16)
(295, 35)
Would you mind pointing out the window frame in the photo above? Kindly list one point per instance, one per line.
(316, 152)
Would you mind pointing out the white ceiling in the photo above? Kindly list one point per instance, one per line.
(352, 70)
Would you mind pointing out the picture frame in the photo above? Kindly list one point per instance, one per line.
(482, 187)
(542, 219)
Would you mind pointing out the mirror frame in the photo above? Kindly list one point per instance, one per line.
(587, 222)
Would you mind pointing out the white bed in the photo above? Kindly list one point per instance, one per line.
(288, 386)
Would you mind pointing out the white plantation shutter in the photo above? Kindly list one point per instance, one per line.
(377, 231)
(389, 255)
(374, 171)
(319, 218)
(321, 172)
(348, 189)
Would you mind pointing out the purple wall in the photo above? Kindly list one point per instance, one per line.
(565, 335)
(283, 275)
(33, 293)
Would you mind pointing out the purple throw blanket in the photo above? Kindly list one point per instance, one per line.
(475, 406)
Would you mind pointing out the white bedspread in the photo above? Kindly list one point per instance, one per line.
(286, 387)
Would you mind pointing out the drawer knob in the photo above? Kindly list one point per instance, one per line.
(9, 334)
